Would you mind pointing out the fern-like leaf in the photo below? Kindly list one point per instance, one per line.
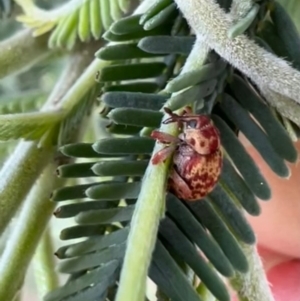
(216, 225)
(76, 20)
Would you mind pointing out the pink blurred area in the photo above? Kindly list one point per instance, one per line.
(284, 279)
(278, 229)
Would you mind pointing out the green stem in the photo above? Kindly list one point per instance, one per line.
(211, 25)
(18, 175)
(44, 265)
(205, 293)
(76, 79)
(27, 232)
(84, 83)
(253, 285)
(148, 212)
(144, 227)
(28, 159)
(21, 51)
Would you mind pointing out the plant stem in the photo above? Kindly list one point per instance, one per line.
(211, 25)
(76, 79)
(252, 286)
(28, 159)
(205, 293)
(149, 209)
(21, 51)
(28, 229)
(44, 265)
(143, 231)
(82, 85)
(18, 175)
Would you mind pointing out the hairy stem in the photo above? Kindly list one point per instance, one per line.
(28, 229)
(18, 175)
(252, 286)
(44, 265)
(28, 159)
(211, 25)
(239, 8)
(21, 51)
(76, 79)
(84, 83)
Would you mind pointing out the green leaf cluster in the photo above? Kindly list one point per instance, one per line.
(143, 78)
(127, 224)
(73, 21)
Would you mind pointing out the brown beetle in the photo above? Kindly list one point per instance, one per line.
(197, 161)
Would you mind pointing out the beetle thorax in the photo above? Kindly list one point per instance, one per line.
(204, 141)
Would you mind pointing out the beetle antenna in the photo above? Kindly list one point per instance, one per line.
(169, 112)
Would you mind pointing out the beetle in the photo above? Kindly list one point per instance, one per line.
(197, 160)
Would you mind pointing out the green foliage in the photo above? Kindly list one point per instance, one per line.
(6, 7)
(293, 8)
(77, 20)
(30, 126)
(31, 100)
(287, 33)
(111, 175)
(154, 52)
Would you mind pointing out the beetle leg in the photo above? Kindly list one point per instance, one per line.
(164, 137)
(182, 189)
(163, 154)
(186, 116)
(173, 118)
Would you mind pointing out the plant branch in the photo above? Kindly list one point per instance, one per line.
(253, 285)
(21, 51)
(18, 175)
(28, 229)
(148, 212)
(28, 159)
(84, 83)
(76, 80)
(27, 125)
(211, 26)
(44, 265)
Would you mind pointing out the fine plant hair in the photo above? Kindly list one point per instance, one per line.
(211, 25)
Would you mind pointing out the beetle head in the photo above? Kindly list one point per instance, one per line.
(198, 131)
